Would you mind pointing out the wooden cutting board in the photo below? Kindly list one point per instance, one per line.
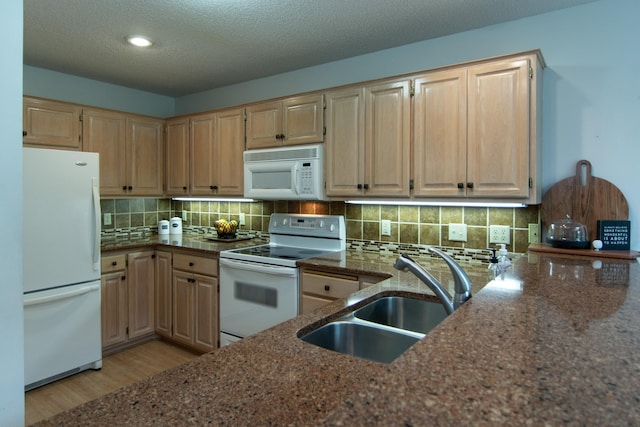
(585, 198)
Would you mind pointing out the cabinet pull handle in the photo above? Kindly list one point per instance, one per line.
(366, 186)
(24, 133)
(359, 186)
(123, 278)
(191, 264)
(124, 188)
(114, 263)
(327, 288)
(184, 188)
(469, 184)
(130, 188)
(461, 185)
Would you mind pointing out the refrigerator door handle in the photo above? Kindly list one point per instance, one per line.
(57, 297)
(96, 212)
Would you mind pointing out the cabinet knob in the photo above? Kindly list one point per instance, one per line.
(327, 288)
(184, 188)
(124, 188)
(469, 184)
(114, 263)
(359, 186)
(24, 133)
(282, 136)
(366, 186)
(461, 185)
(130, 188)
(123, 278)
(191, 264)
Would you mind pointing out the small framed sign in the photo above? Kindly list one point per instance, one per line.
(615, 234)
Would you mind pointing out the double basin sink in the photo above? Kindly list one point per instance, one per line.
(381, 330)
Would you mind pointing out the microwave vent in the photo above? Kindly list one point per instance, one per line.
(311, 152)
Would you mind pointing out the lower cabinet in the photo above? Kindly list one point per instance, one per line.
(187, 299)
(320, 288)
(127, 291)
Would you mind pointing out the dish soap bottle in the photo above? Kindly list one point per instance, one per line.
(493, 264)
(503, 259)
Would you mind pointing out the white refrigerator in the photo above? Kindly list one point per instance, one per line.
(62, 323)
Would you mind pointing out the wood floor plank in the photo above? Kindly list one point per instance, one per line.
(118, 370)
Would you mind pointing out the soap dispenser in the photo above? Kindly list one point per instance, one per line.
(503, 259)
(493, 264)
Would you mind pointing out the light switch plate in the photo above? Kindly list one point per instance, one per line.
(534, 233)
(458, 232)
(241, 219)
(385, 226)
(107, 218)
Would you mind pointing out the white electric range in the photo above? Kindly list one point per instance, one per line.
(259, 285)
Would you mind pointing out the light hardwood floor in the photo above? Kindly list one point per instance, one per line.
(118, 370)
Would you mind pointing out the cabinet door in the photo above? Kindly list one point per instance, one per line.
(177, 157)
(498, 125)
(440, 134)
(264, 125)
(144, 156)
(344, 158)
(202, 154)
(163, 295)
(387, 139)
(104, 133)
(206, 314)
(141, 271)
(183, 307)
(48, 124)
(229, 146)
(303, 120)
(114, 308)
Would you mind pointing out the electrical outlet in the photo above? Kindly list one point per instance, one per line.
(241, 219)
(107, 219)
(499, 234)
(184, 215)
(385, 227)
(458, 232)
(534, 233)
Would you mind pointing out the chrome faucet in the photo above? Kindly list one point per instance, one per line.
(462, 283)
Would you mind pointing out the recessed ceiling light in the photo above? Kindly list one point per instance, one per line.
(139, 41)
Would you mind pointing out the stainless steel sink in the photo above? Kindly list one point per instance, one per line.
(381, 330)
(368, 342)
(403, 312)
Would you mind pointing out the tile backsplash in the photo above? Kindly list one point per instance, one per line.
(410, 225)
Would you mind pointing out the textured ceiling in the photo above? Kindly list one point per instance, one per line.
(205, 44)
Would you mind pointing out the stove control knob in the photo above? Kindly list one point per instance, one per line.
(332, 227)
(321, 224)
(284, 222)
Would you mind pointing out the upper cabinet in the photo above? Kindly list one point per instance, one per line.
(130, 149)
(297, 120)
(51, 124)
(204, 154)
(368, 141)
(476, 130)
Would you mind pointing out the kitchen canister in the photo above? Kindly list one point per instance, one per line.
(175, 225)
(163, 227)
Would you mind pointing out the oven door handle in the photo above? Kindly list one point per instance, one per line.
(259, 268)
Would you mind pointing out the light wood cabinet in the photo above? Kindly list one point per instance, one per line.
(130, 149)
(368, 141)
(475, 131)
(216, 147)
(293, 121)
(320, 288)
(163, 293)
(113, 293)
(127, 291)
(177, 157)
(51, 124)
(195, 315)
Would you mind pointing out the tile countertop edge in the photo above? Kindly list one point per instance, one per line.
(513, 354)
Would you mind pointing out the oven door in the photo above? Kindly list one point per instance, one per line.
(255, 296)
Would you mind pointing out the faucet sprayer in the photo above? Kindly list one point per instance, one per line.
(462, 283)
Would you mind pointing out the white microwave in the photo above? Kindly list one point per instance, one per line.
(286, 173)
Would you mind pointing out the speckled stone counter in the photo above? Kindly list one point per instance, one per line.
(195, 242)
(554, 342)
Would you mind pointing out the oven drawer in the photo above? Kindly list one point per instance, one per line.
(195, 264)
(332, 286)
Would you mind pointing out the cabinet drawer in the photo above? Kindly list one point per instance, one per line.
(328, 285)
(113, 263)
(196, 264)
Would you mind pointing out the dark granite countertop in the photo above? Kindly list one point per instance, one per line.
(555, 341)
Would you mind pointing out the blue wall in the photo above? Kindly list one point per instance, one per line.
(591, 95)
(591, 99)
(64, 87)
